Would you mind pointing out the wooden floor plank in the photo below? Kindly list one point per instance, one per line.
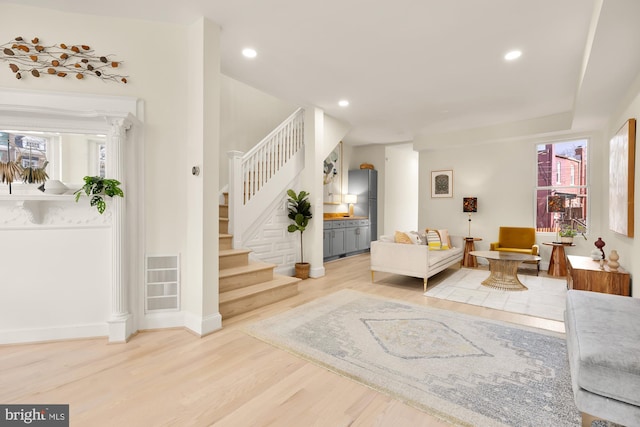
(171, 377)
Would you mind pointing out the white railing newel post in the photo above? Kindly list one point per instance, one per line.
(235, 195)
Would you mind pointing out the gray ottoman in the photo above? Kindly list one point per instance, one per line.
(603, 341)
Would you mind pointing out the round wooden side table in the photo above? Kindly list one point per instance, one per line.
(558, 259)
(469, 260)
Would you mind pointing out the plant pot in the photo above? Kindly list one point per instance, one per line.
(566, 239)
(302, 270)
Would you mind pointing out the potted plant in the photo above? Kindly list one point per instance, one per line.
(567, 234)
(97, 187)
(300, 213)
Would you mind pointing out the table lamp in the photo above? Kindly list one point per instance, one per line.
(470, 204)
(555, 204)
(350, 199)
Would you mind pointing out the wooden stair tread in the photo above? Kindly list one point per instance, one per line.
(251, 267)
(232, 252)
(248, 291)
(225, 236)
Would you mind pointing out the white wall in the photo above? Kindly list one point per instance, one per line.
(334, 131)
(247, 117)
(628, 247)
(52, 277)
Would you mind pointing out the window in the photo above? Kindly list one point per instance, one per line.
(573, 175)
(28, 149)
(562, 179)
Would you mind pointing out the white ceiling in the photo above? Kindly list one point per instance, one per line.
(422, 69)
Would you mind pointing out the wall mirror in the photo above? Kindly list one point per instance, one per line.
(65, 157)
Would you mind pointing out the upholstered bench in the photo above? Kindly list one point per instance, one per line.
(603, 342)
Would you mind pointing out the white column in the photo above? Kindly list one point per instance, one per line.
(203, 146)
(120, 322)
(312, 182)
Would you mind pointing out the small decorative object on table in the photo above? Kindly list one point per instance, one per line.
(600, 244)
(613, 260)
(55, 186)
(567, 234)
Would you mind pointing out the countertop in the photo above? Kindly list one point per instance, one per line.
(342, 218)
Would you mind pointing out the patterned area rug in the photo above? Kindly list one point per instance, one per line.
(545, 297)
(463, 369)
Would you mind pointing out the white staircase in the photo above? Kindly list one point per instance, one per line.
(256, 179)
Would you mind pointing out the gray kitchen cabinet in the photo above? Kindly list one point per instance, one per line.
(345, 237)
(357, 236)
(326, 238)
(337, 242)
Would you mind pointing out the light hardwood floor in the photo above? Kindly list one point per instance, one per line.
(171, 377)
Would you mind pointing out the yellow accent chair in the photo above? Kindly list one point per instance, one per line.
(521, 240)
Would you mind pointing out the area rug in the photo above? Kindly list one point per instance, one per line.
(463, 369)
(545, 297)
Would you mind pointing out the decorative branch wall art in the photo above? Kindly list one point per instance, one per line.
(33, 58)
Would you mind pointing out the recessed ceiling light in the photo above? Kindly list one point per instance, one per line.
(514, 54)
(343, 103)
(249, 53)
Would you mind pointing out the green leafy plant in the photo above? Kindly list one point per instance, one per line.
(573, 230)
(568, 232)
(96, 187)
(300, 213)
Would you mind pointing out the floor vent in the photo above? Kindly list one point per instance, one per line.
(162, 284)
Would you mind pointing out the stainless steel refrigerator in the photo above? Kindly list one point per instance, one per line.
(364, 184)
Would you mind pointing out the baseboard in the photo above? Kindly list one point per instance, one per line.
(59, 333)
(168, 319)
(315, 272)
(202, 326)
(285, 271)
(121, 328)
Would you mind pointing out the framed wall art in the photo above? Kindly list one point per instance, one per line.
(332, 177)
(442, 183)
(621, 179)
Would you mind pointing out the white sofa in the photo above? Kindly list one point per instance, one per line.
(413, 260)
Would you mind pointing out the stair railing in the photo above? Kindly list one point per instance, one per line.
(258, 176)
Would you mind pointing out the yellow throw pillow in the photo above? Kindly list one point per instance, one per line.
(433, 246)
(401, 237)
(433, 240)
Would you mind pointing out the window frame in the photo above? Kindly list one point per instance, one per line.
(558, 187)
